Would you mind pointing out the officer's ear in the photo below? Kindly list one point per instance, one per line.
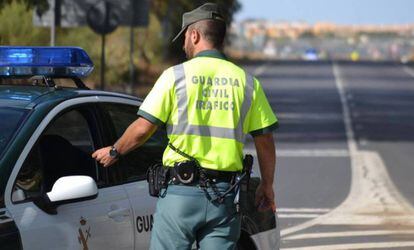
(195, 36)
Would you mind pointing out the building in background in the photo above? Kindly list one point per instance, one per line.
(321, 41)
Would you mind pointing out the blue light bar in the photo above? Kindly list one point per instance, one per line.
(48, 61)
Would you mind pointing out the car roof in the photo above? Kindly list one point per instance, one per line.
(29, 96)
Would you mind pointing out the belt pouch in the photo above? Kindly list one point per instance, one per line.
(157, 178)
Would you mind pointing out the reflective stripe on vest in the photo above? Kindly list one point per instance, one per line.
(183, 126)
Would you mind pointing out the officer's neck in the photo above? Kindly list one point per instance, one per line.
(203, 47)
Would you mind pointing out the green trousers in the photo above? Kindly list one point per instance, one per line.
(187, 214)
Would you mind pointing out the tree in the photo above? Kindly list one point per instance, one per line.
(152, 45)
(40, 4)
(16, 26)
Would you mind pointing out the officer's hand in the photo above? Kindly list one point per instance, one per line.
(102, 156)
(265, 198)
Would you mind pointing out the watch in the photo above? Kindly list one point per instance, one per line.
(113, 153)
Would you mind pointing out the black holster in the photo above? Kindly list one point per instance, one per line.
(157, 177)
(243, 201)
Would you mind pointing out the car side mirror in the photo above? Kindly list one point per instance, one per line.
(72, 188)
(68, 189)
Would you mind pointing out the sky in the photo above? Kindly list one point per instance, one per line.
(336, 11)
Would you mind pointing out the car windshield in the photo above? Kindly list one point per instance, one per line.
(10, 120)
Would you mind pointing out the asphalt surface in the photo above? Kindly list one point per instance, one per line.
(345, 153)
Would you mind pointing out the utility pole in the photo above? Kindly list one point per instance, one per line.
(53, 23)
(166, 27)
(106, 25)
(134, 8)
(130, 88)
(103, 20)
(55, 7)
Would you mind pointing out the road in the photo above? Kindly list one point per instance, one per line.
(345, 153)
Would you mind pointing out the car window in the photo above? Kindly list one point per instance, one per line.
(136, 163)
(73, 127)
(63, 149)
(10, 121)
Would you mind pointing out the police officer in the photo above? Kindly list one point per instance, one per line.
(207, 105)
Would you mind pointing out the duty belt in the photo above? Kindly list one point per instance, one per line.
(190, 172)
(213, 175)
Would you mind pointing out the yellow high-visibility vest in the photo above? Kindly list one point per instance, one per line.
(208, 105)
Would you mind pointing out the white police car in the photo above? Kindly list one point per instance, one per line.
(53, 195)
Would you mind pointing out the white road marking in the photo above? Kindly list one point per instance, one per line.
(345, 110)
(310, 116)
(363, 142)
(299, 216)
(312, 153)
(348, 234)
(303, 210)
(305, 152)
(260, 70)
(373, 198)
(409, 71)
(377, 245)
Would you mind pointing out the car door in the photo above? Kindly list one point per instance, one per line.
(135, 165)
(62, 149)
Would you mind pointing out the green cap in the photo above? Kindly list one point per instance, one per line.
(205, 11)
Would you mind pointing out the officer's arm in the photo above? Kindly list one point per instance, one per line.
(265, 149)
(134, 136)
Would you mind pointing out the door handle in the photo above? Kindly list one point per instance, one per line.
(122, 212)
